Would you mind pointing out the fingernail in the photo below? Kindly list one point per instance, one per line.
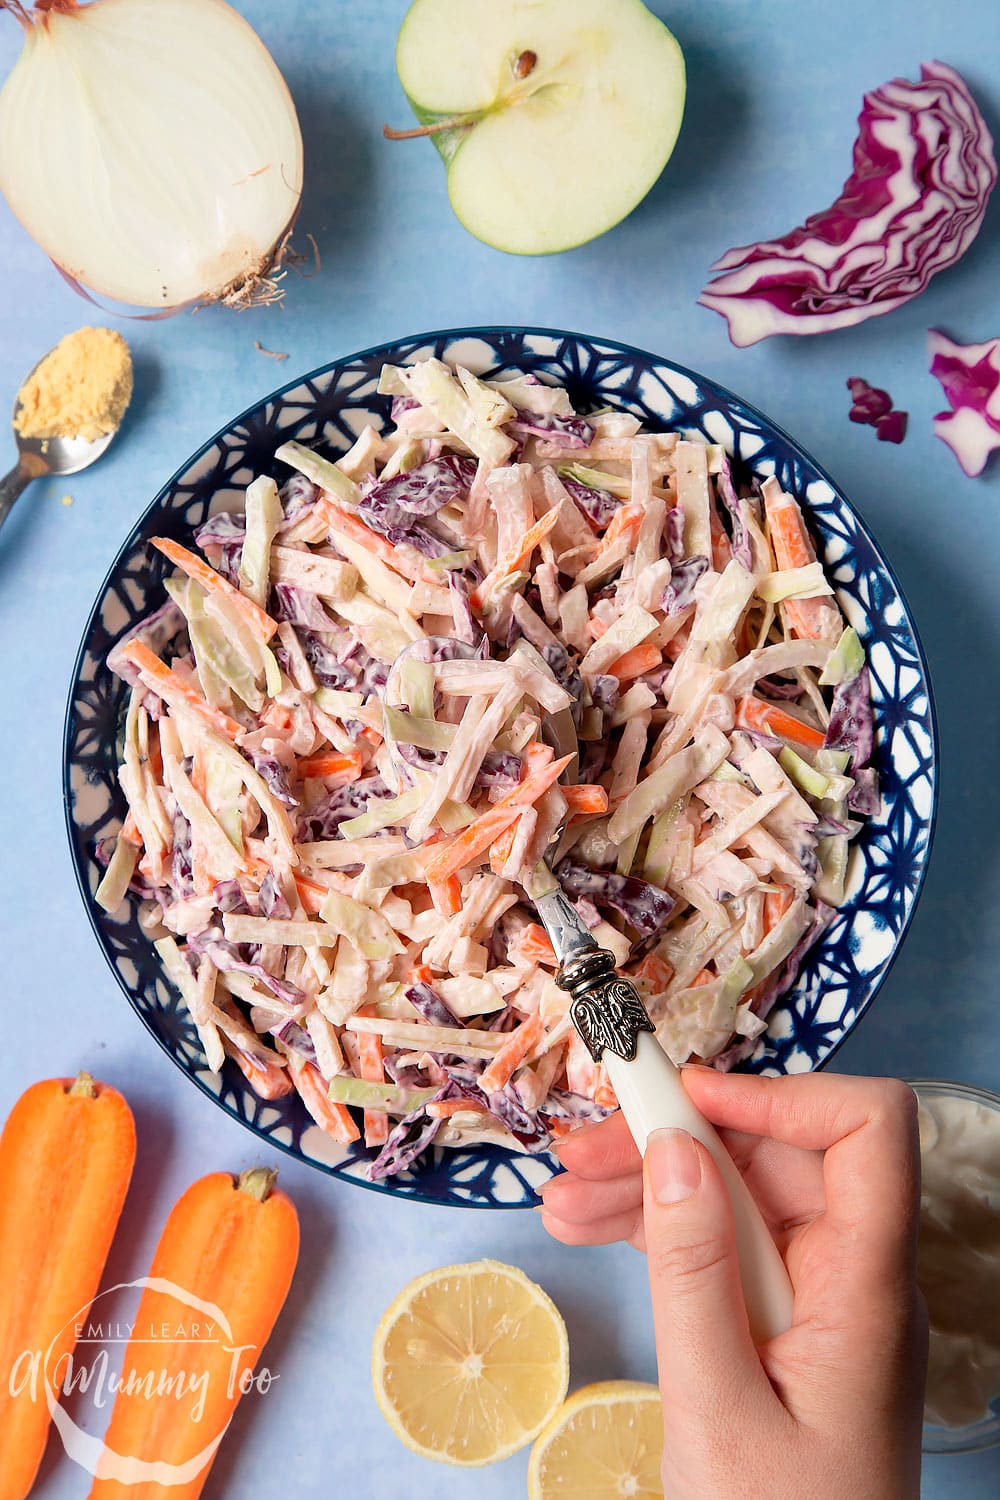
(673, 1164)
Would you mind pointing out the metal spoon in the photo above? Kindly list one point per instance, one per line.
(39, 457)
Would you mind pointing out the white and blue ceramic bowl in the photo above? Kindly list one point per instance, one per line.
(329, 407)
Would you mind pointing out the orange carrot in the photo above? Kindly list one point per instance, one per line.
(259, 622)
(722, 547)
(598, 627)
(768, 718)
(340, 768)
(356, 531)
(816, 619)
(776, 904)
(335, 1119)
(229, 1242)
(501, 848)
(654, 971)
(199, 771)
(532, 943)
(515, 558)
(278, 715)
(175, 691)
(443, 1109)
(130, 831)
(703, 977)
(446, 894)
(268, 1080)
(311, 894)
(370, 1059)
(512, 1054)
(66, 1156)
(604, 1094)
(447, 858)
(642, 658)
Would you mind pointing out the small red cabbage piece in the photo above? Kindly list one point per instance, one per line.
(873, 407)
(970, 375)
(406, 1142)
(597, 505)
(679, 592)
(431, 1006)
(923, 172)
(851, 725)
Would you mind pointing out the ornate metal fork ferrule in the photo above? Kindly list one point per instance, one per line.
(606, 1009)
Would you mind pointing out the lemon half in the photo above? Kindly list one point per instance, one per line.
(604, 1443)
(470, 1362)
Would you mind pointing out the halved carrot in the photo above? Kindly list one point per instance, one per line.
(336, 766)
(195, 567)
(370, 1059)
(447, 858)
(335, 1119)
(512, 1054)
(66, 1156)
(229, 1242)
(268, 1080)
(642, 658)
(515, 558)
(768, 718)
(175, 692)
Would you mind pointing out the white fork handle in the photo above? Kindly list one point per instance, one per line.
(652, 1097)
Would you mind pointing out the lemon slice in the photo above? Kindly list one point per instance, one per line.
(470, 1362)
(604, 1443)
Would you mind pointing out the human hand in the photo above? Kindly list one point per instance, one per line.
(832, 1408)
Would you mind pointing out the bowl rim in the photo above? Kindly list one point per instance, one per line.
(487, 331)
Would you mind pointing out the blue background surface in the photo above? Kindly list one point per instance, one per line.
(774, 90)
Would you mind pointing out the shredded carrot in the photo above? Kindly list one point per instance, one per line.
(722, 547)
(258, 620)
(335, 1119)
(674, 648)
(654, 971)
(446, 893)
(443, 1109)
(533, 944)
(267, 1080)
(311, 894)
(500, 849)
(130, 831)
(370, 1064)
(332, 766)
(768, 718)
(642, 658)
(515, 558)
(174, 690)
(356, 531)
(705, 976)
(598, 627)
(776, 904)
(512, 1054)
(199, 772)
(793, 548)
(447, 858)
(604, 1094)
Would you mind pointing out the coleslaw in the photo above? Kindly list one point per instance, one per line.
(338, 785)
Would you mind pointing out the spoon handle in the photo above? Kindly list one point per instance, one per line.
(11, 486)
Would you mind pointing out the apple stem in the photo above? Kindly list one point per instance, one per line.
(454, 123)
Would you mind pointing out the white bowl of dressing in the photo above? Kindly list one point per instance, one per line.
(959, 1263)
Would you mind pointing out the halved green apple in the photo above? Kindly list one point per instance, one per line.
(554, 117)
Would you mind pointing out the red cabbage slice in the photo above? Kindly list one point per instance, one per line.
(423, 490)
(430, 1005)
(851, 726)
(644, 906)
(679, 593)
(865, 797)
(571, 432)
(408, 1140)
(597, 505)
(923, 173)
(726, 490)
(970, 375)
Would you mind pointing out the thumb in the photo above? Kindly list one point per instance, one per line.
(706, 1358)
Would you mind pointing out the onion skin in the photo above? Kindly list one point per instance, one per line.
(182, 190)
(924, 170)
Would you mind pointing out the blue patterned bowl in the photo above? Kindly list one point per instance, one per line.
(843, 973)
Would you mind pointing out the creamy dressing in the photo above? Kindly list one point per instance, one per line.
(959, 1255)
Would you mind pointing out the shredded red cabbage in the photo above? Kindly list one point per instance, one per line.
(406, 1141)
(430, 1005)
(970, 375)
(923, 172)
(679, 592)
(598, 506)
(571, 432)
(851, 726)
(644, 906)
(423, 491)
